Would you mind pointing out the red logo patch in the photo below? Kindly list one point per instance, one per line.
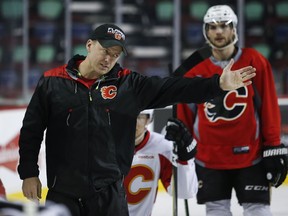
(108, 92)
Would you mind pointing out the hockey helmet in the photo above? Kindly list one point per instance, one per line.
(220, 13)
(150, 113)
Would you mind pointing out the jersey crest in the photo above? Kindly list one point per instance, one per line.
(228, 107)
(141, 175)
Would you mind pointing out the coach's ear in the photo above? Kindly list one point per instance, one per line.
(89, 44)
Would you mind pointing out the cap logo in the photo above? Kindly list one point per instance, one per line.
(118, 35)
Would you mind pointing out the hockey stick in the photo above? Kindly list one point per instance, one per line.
(174, 169)
(194, 59)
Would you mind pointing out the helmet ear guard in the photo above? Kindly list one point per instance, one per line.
(217, 14)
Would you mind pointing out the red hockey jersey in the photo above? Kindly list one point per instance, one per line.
(231, 129)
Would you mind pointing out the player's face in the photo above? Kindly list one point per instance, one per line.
(142, 122)
(102, 59)
(220, 34)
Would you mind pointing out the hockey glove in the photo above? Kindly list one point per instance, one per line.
(177, 132)
(275, 162)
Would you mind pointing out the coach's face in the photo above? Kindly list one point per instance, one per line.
(102, 59)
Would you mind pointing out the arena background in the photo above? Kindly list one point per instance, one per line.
(37, 35)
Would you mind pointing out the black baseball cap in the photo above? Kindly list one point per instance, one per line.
(109, 35)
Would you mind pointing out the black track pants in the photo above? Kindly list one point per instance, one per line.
(108, 201)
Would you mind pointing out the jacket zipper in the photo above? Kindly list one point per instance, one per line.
(54, 181)
(80, 202)
(109, 117)
(68, 117)
(75, 88)
(90, 95)
(99, 81)
(97, 87)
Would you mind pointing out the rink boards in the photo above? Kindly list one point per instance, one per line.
(10, 125)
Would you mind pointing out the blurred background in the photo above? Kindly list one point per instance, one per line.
(37, 35)
(40, 34)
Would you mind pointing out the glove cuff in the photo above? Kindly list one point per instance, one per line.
(275, 162)
(272, 151)
(187, 152)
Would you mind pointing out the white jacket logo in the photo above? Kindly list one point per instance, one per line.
(108, 92)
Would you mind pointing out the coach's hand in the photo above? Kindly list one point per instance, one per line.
(275, 161)
(32, 188)
(177, 132)
(231, 80)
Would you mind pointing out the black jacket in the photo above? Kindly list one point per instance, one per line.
(90, 133)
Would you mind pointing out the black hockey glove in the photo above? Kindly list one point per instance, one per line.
(177, 132)
(275, 161)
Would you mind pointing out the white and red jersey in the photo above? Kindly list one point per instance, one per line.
(230, 130)
(151, 163)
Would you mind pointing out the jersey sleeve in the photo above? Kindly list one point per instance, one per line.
(265, 94)
(165, 171)
(187, 178)
(187, 181)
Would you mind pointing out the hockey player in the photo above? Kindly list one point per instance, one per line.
(153, 162)
(228, 155)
